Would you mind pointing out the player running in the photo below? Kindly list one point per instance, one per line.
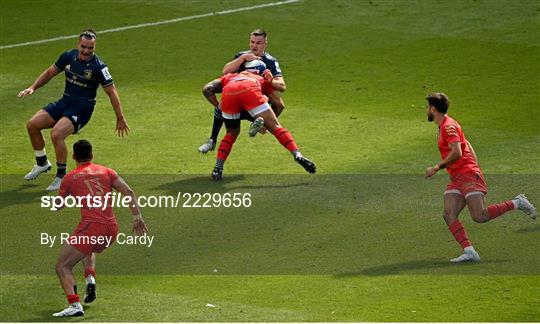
(467, 185)
(84, 71)
(258, 42)
(94, 180)
(245, 91)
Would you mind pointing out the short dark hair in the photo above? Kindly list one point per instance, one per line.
(439, 100)
(259, 32)
(88, 34)
(82, 149)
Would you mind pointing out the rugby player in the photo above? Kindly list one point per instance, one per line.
(467, 184)
(96, 223)
(84, 72)
(245, 91)
(258, 42)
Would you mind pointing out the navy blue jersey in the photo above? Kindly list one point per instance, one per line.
(83, 77)
(271, 63)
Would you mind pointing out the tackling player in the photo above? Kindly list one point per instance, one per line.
(84, 71)
(245, 91)
(94, 180)
(258, 42)
(467, 185)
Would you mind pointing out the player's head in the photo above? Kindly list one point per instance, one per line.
(255, 66)
(437, 102)
(82, 151)
(86, 44)
(258, 42)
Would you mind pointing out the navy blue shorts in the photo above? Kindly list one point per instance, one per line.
(78, 112)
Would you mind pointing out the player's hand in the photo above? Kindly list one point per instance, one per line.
(25, 92)
(430, 171)
(250, 57)
(267, 75)
(139, 226)
(122, 127)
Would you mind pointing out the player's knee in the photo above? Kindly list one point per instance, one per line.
(31, 126)
(57, 136)
(480, 216)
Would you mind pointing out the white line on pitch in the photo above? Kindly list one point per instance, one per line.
(170, 21)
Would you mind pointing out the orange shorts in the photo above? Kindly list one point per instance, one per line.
(467, 184)
(237, 97)
(91, 237)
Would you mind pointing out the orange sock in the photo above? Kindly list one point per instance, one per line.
(89, 271)
(73, 299)
(497, 210)
(457, 229)
(225, 146)
(286, 139)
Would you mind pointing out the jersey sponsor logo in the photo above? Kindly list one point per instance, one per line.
(68, 67)
(106, 74)
(88, 74)
(277, 67)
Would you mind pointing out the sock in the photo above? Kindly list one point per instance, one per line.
(73, 299)
(216, 126)
(41, 157)
(225, 147)
(219, 164)
(61, 169)
(286, 139)
(457, 229)
(497, 210)
(90, 275)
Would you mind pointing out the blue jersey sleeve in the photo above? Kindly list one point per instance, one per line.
(273, 66)
(62, 61)
(103, 75)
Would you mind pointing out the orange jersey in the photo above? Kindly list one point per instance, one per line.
(240, 82)
(450, 132)
(96, 181)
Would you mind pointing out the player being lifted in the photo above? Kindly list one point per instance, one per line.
(245, 91)
(467, 185)
(84, 71)
(258, 42)
(94, 180)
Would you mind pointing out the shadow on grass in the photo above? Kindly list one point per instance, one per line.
(529, 229)
(411, 267)
(205, 184)
(19, 195)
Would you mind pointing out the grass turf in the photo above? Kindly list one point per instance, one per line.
(362, 241)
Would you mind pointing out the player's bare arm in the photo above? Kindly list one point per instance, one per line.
(472, 151)
(139, 227)
(452, 157)
(42, 79)
(122, 127)
(234, 65)
(210, 90)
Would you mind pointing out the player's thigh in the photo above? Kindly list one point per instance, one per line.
(41, 120)
(69, 256)
(476, 203)
(453, 205)
(270, 120)
(63, 128)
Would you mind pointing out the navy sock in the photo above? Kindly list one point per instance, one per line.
(216, 126)
(61, 169)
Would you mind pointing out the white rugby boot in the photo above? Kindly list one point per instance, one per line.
(525, 205)
(207, 146)
(469, 255)
(37, 170)
(55, 184)
(74, 309)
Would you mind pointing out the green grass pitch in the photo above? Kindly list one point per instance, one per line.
(361, 240)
